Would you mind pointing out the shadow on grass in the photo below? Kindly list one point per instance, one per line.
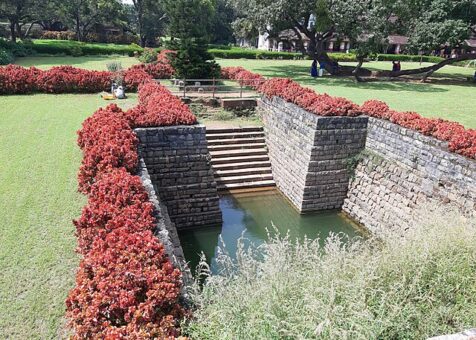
(301, 75)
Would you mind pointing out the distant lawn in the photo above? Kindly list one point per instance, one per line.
(86, 62)
(39, 161)
(449, 96)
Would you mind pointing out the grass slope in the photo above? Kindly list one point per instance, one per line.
(38, 199)
(449, 96)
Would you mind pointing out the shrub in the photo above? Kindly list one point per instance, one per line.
(68, 79)
(18, 80)
(125, 288)
(117, 200)
(58, 35)
(149, 55)
(107, 142)
(416, 286)
(65, 47)
(6, 57)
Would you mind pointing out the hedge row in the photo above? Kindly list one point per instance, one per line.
(126, 287)
(68, 79)
(409, 58)
(460, 140)
(46, 46)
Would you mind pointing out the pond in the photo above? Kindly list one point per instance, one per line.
(252, 215)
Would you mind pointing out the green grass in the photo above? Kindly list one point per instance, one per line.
(412, 287)
(86, 62)
(448, 96)
(39, 160)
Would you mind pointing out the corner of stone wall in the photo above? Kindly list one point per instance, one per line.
(165, 230)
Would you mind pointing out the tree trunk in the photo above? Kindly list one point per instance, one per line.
(356, 71)
(429, 69)
(13, 33)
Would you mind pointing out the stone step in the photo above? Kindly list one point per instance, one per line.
(243, 178)
(234, 135)
(246, 185)
(242, 165)
(237, 147)
(234, 129)
(238, 153)
(241, 172)
(239, 159)
(235, 141)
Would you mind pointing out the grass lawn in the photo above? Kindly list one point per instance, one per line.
(89, 62)
(39, 160)
(447, 96)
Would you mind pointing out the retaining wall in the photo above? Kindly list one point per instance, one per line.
(165, 230)
(178, 164)
(376, 171)
(402, 169)
(310, 154)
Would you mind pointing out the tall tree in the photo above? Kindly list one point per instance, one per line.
(16, 12)
(189, 26)
(84, 14)
(150, 19)
(221, 27)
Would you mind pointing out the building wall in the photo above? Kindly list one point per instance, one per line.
(178, 163)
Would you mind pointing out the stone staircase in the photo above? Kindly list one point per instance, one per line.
(239, 158)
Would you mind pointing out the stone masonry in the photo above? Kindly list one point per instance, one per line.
(165, 230)
(178, 164)
(402, 169)
(310, 154)
(376, 171)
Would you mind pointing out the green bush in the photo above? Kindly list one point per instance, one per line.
(148, 56)
(76, 51)
(407, 57)
(406, 285)
(66, 47)
(6, 57)
(19, 49)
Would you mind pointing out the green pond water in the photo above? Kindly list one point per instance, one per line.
(251, 216)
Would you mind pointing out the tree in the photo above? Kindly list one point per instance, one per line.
(433, 25)
(150, 20)
(16, 12)
(221, 27)
(317, 20)
(189, 26)
(84, 14)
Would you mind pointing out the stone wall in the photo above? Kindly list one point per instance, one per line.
(166, 230)
(376, 171)
(402, 169)
(178, 163)
(310, 154)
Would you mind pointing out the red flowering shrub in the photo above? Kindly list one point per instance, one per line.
(374, 108)
(161, 69)
(146, 90)
(15, 79)
(108, 142)
(126, 286)
(243, 76)
(134, 77)
(68, 79)
(445, 130)
(159, 107)
(117, 200)
(464, 143)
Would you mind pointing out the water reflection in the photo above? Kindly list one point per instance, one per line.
(250, 215)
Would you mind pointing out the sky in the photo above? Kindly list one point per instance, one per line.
(127, 1)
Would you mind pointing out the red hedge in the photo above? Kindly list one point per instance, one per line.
(117, 200)
(126, 287)
(18, 80)
(461, 140)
